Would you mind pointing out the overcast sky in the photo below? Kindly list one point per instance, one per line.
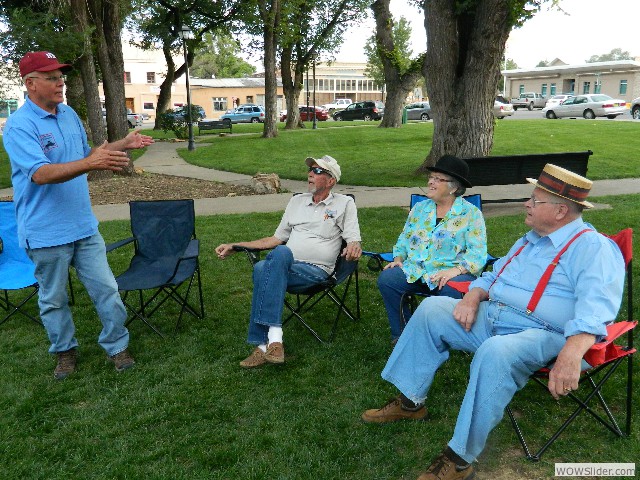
(589, 27)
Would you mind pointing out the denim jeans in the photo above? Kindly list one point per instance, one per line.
(392, 284)
(88, 256)
(272, 278)
(509, 346)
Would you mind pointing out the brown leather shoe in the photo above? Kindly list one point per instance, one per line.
(254, 360)
(66, 364)
(443, 468)
(392, 412)
(123, 360)
(275, 353)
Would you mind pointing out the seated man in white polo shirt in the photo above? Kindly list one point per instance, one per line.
(313, 227)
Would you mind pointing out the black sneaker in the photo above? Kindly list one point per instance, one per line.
(66, 364)
(123, 360)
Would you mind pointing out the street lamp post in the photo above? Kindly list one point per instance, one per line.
(185, 34)
(315, 122)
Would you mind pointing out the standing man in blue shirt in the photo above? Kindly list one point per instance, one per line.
(513, 320)
(50, 158)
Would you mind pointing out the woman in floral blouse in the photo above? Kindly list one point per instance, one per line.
(444, 238)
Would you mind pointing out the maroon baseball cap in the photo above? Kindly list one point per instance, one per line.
(41, 62)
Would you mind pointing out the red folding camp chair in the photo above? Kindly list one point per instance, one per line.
(604, 359)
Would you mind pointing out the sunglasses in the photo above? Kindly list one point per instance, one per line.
(319, 171)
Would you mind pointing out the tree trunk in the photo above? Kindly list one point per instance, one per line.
(164, 97)
(398, 83)
(106, 16)
(270, 13)
(291, 88)
(462, 69)
(88, 74)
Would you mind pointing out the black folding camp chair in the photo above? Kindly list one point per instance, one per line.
(165, 257)
(603, 359)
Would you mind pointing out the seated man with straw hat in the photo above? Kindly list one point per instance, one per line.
(550, 297)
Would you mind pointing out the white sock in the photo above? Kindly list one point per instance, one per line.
(262, 347)
(275, 334)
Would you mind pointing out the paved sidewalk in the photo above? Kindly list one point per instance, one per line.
(162, 157)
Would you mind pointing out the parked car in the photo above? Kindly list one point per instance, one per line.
(181, 113)
(418, 111)
(369, 110)
(337, 104)
(557, 99)
(502, 108)
(529, 100)
(587, 106)
(245, 114)
(306, 115)
(635, 109)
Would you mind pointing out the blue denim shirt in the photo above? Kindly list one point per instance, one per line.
(426, 248)
(51, 214)
(585, 290)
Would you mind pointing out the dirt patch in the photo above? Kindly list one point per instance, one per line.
(153, 186)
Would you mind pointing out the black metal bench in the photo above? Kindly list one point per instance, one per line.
(214, 125)
(514, 169)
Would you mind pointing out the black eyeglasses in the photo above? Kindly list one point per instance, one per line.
(319, 171)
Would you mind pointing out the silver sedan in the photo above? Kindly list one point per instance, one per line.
(587, 106)
(418, 111)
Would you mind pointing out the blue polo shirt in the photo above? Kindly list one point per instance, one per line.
(52, 214)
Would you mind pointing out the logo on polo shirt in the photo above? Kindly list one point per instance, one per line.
(48, 142)
(330, 214)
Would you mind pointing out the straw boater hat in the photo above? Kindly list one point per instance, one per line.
(564, 183)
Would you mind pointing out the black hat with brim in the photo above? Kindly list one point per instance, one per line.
(454, 166)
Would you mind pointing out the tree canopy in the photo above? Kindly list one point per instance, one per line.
(614, 55)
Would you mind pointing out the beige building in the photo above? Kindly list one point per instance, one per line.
(619, 79)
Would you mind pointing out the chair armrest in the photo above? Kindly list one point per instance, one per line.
(375, 260)
(253, 254)
(118, 244)
(193, 249)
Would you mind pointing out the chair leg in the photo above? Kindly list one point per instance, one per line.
(14, 309)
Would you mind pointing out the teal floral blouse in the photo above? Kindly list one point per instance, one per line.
(426, 248)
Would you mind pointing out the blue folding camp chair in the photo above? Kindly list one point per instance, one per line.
(165, 257)
(16, 268)
(377, 260)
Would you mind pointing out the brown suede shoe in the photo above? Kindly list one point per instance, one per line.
(122, 360)
(443, 468)
(392, 412)
(254, 360)
(275, 353)
(66, 364)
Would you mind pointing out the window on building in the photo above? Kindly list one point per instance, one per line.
(147, 106)
(219, 104)
(597, 86)
(521, 90)
(249, 98)
(127, 77)
(543, 90)
(552, 89)
(623, 87)
(586, 88)
(151, 77)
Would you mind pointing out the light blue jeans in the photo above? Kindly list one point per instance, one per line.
(272, 278)
(509, 346)
(392, 284)
(88, 256)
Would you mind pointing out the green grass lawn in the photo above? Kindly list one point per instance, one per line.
(389, 157)
(188, 411)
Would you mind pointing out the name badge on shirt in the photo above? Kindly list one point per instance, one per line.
(48, 142)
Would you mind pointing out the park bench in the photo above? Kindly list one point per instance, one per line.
(214, 125)
(514, 169)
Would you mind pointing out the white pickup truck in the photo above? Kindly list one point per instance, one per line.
(529, 100)
(338, 104)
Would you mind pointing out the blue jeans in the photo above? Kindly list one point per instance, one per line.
(272, 278)
(88, 256)
(392, 284)
(509, 346)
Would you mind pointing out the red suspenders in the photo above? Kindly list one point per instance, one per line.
(544, 280)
